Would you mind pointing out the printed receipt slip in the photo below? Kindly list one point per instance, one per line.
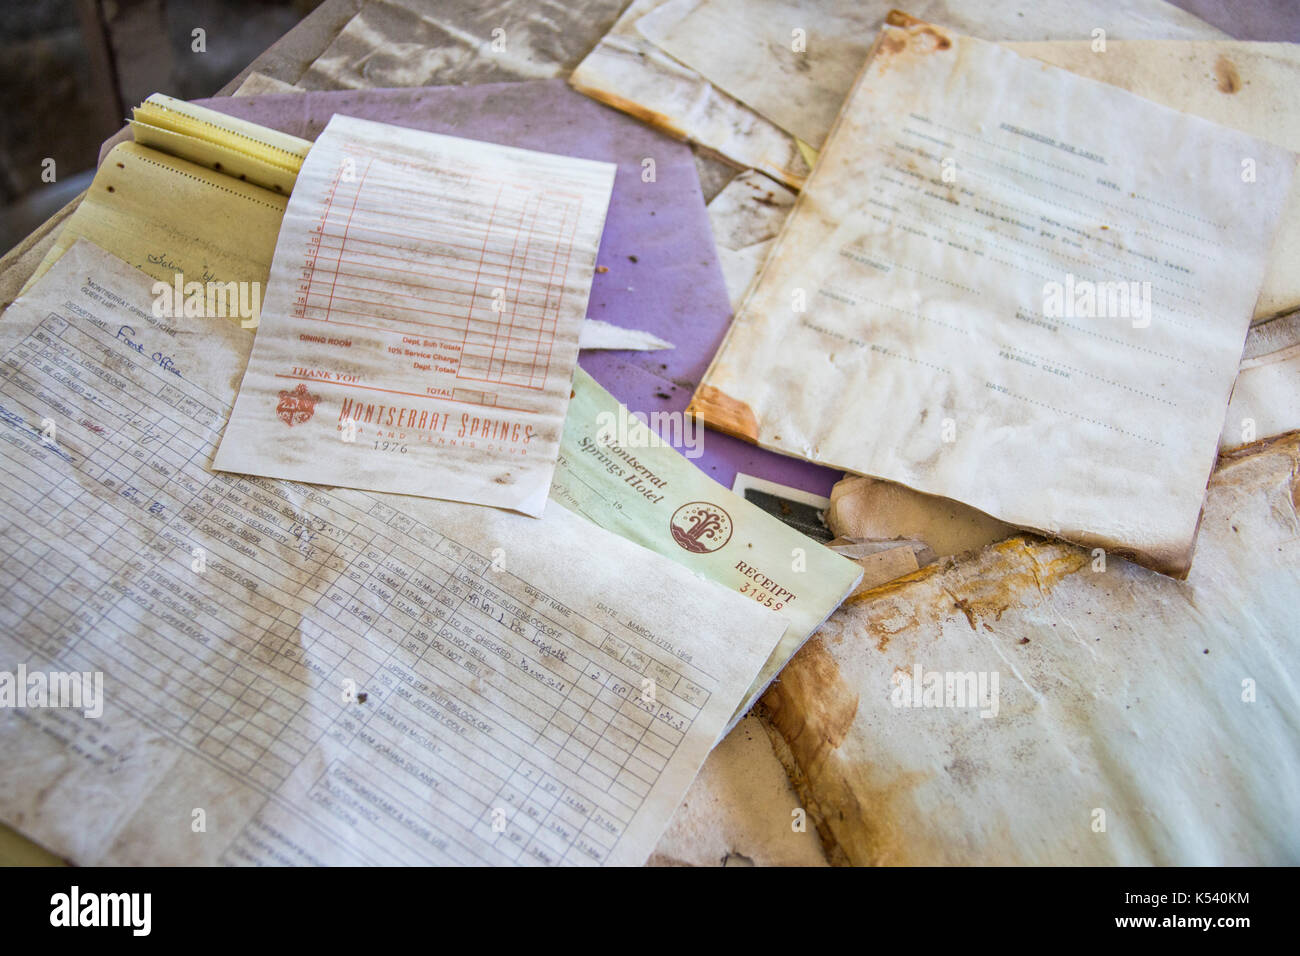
(421, 325)
(616, 472)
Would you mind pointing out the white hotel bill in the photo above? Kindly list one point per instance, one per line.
(422, 319)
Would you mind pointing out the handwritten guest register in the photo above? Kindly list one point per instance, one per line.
(328, 676)
(421, 322)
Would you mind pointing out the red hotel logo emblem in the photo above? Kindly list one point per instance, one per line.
(297, 406)
(700, 527)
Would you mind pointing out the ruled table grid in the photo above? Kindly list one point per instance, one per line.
(465, 675)
(490, 284)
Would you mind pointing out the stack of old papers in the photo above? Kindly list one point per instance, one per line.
(767, 96)
(341, 677)
(991, 277)
(354, 551)
(403, 681)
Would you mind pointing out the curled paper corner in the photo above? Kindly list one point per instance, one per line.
(596, 334)
(719, 410)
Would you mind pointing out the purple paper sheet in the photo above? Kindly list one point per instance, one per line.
(663, 269)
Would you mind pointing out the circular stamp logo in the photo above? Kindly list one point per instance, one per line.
(700, 527)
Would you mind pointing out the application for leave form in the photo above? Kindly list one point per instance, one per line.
(421, 323)
(1014, 287)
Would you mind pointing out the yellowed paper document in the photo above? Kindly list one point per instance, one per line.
(1265, 399)
(169, 216)
(1013, 287)
(794, 61)
(329, 676)
(630, 73)
(422, 321)
(746, 218)
(1245, 86)
(1028, 705)
(195, 193)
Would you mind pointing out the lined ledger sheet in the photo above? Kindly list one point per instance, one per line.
(422, 319)
(1011, 286)
(299, 675)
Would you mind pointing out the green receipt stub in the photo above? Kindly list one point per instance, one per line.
(618, 473)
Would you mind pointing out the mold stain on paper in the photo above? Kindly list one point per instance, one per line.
(1226, 75)
(828, 703)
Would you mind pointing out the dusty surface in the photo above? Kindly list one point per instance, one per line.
(1139, 720)
(630, 73)
(738, 811)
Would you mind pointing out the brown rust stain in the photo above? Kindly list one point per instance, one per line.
(872, 816)
(939, 41)
(863, 816)
(891, 43)
(1225, 72)
(1006, 574)
(964, 606)
(1171, 559)
(826, 708)
(1250, 449)
(926, 37)
(1246, 456)
(867, 812)
(1021, 568)
(859, 810)
(719, 410)
(868, 595)
(897, 18)
(657, 120)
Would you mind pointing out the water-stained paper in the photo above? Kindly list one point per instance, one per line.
(1014, 287)
(422, 320)
(291, 674)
